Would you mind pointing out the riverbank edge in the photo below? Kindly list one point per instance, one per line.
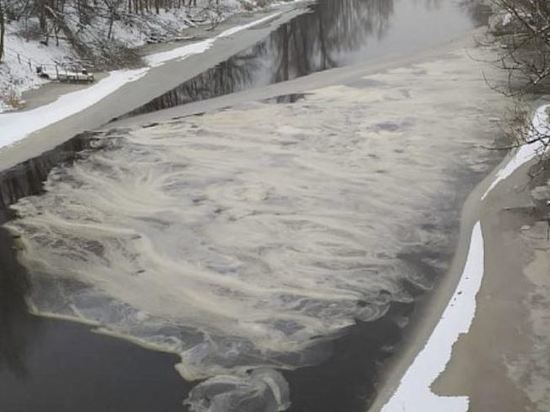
(429, 312)
(475, 209)
(498, 364)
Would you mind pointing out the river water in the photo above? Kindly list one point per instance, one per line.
(276, 249)
(332, 34)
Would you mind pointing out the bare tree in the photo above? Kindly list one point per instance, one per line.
(2, 29)
(523, 34)
(113, 7)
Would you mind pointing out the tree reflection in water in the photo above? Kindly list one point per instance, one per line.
(332, 34)
(312, 42)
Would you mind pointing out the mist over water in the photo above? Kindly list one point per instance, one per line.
(247, 248)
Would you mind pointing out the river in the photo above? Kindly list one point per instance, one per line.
(279, 269)
(331, 34)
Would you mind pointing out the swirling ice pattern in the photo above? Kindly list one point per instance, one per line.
(243, 247)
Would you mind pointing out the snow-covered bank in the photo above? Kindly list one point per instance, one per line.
(24, 52)
(18, 125)
(414, 393)
(528, 151)
(180, 53)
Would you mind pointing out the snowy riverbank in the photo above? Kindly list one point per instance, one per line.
(24, 52)
(415, 391)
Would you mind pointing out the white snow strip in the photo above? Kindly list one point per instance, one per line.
(414, 393)
(237, 29)
(16, 126)
(527, 151)
(158, 59)
(180, 53)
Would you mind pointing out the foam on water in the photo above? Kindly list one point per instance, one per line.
(245, 248)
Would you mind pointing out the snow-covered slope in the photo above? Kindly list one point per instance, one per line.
(24, 52)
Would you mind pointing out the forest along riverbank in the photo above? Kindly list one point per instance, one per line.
(269, 237)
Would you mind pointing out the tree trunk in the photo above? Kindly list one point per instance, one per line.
(2, 29)
(43, 21)
(111, 22)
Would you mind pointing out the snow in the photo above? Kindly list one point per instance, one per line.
(158, 59)
(414, 392)
(135, 30)
(526, 152)
(16, 126)
(164, 23)
(183, 52)
(4, 107)
(236, 29)
(15, 74)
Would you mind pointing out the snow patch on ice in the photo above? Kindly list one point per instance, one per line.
(183, 52)
(414, 391)
(236, 29)
(18, 125)
(158, 59)
(526, 152)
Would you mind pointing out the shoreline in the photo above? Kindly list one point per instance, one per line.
(513, 305)
(433, 307)
(483, 206)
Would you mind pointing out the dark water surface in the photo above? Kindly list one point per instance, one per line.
(61, 366)
(58, 366)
